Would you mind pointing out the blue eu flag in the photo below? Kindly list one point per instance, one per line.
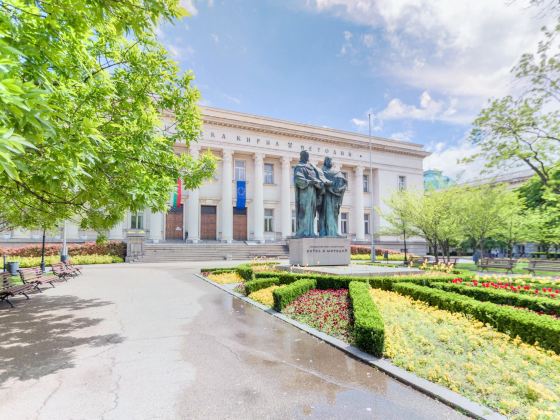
(241, 190)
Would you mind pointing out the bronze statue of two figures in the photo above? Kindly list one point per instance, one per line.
(318, 192)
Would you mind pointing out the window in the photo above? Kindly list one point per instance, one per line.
(137, 220)
(366, 223)
(366, 183)
(293, 221)
(239, 174)
(268, 173)
(268, 220)
(402, 183)
(343, 223)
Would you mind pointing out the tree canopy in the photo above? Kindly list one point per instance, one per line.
(83, 87)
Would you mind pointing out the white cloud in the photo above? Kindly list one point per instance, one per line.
(233, 99)
(347, 46)
(215, 38)
(362, 124)
(428, 109)
(368, 40)
(189, 5)
(403, 135)
(447, 160)
(460, 50)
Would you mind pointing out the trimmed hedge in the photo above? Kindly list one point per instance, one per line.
(369, 330)
(218, 270)
(529, 326)
(258, 284)
(286, 295)
(503, 297)
(342, 282)
(245, 271)
(115, 248)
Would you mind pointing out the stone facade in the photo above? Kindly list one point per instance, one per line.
(263, 151)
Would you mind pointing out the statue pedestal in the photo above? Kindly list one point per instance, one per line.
(319, 251)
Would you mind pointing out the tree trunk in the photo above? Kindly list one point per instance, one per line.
(43, 252)
(436, 251)
(404, 241)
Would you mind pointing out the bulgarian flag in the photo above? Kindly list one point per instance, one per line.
(177, 194)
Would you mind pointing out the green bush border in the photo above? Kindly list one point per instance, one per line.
(258, 284)
(503, 297)
(245, 271)
(342, 282)
(530, 327)
(287, 294)
(369, 330)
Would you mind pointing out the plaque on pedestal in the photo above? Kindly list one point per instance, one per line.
(319, 251)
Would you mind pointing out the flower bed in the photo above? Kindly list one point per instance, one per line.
(264, 296)
(115, 248)
(510, 286)
(518, 379)
(27, 262)
(225, 278)
(326, 310)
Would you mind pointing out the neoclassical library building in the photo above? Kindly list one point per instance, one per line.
(251, 195)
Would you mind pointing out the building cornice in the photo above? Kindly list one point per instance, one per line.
(266, 125)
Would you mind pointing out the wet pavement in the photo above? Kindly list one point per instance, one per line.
(153, 341)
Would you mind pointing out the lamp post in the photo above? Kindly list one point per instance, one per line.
(64, 251)
(371, 184)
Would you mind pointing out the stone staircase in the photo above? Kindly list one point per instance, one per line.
(176, 252)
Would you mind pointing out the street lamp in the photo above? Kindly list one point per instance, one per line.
(371, 184)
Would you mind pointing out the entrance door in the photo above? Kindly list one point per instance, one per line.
(174, 223)
(239, 224)
(208, 223)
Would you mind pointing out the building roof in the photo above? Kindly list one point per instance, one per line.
(222, 117)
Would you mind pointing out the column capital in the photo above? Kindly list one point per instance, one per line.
(286, 160)
(359, 170)
(227, 154)
(259, 157)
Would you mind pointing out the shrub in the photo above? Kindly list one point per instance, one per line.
(502, 297)
(218, 270)
(369, 331)
(530, 327)
(245, 271)
(27, 262)
(366, 249)
(116, 248)
(287, 294)
(258, 284)
(342, 282)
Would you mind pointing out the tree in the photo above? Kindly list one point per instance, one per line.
(399, 219)
(526, 129)
(85, 85)
(514, 229)
(483, 213)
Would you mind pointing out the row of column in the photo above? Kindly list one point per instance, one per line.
(193, 216)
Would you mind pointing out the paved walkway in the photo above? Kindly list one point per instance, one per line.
(152, 341)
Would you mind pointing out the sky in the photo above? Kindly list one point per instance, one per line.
(423, 69)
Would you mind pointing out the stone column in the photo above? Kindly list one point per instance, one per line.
(227, 207)
(359, 203)
(258, 199)
(285, 198)
(193, 205)
(156, 227)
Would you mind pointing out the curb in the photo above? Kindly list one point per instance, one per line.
(435, 391)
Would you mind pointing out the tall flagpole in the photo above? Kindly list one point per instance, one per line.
(372, 232)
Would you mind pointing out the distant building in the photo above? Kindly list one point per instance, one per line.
(512, 179)
(435, 180)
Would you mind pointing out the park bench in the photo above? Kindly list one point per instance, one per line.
(502, 263)
(72, 267)
(432, 260)
(552, 266)
(63, 272)
(7, 289)
(35, 277)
